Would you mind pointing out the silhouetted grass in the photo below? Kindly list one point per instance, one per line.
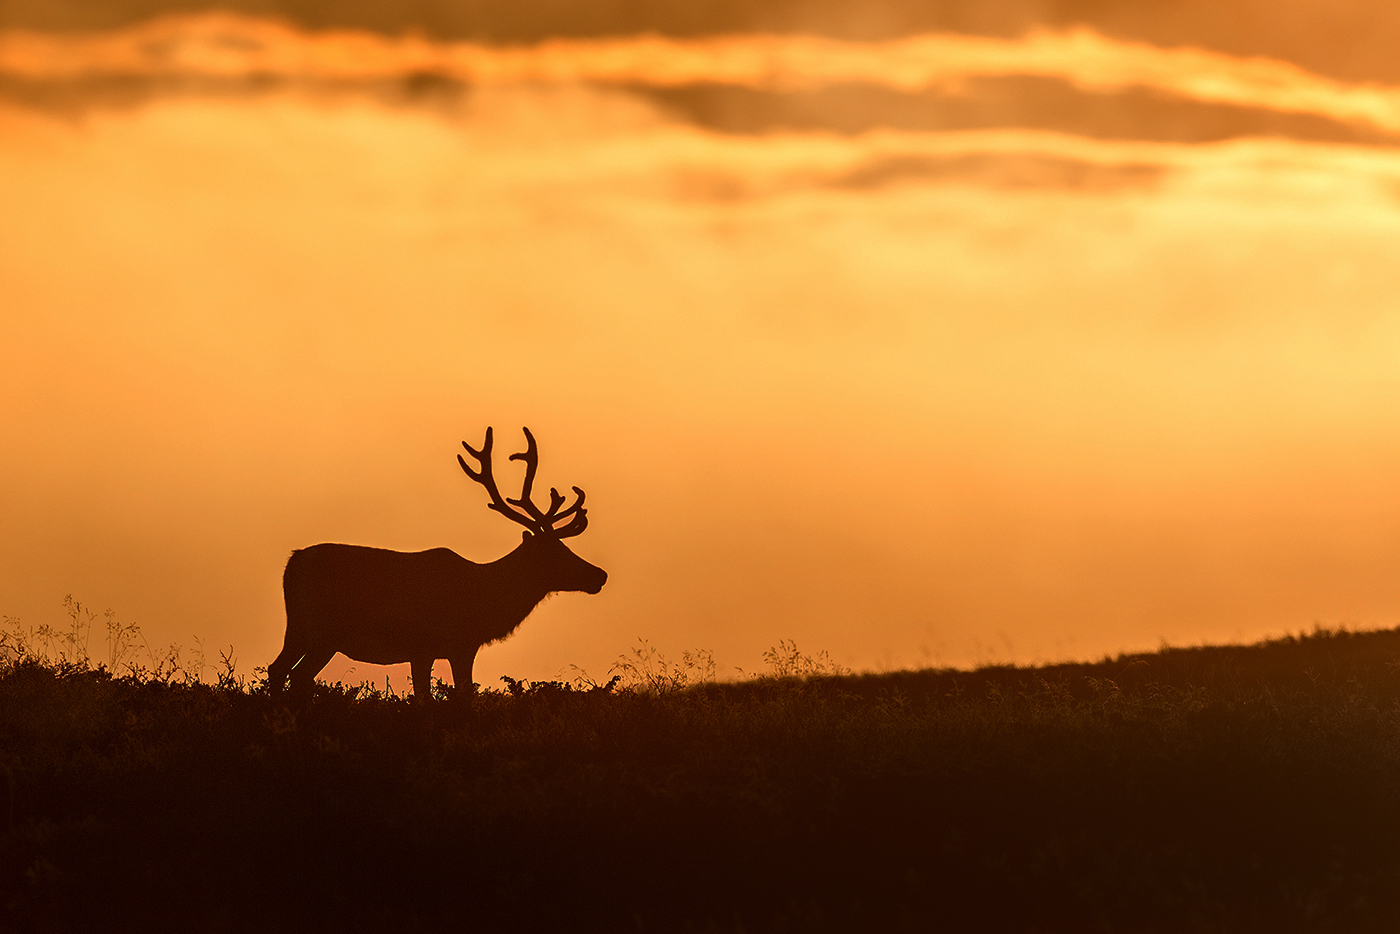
(1231, 788)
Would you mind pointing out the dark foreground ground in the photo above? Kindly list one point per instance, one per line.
(1215, 789)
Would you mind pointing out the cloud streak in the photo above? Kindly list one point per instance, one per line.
(230, 46)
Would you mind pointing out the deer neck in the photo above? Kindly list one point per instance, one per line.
(519, 582)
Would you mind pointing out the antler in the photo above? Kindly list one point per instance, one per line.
(484, 477)
(580, 520)
(531, 457)
(532, 517)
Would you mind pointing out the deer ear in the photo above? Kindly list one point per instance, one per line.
(525, 536)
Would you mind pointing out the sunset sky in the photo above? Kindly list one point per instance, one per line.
(937, 343)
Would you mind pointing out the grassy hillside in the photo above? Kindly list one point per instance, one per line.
(1233, 789)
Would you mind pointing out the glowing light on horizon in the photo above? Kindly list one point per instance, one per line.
(870, 391)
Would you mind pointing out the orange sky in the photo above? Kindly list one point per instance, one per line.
(909, 396)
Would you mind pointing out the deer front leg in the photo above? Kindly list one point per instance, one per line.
(422, 679)
(462, 674)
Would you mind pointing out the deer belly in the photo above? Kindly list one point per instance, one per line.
(387, 643)
(387, 635)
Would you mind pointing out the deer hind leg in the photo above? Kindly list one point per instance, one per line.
(423, 679)
(282, 665)
(303, 675)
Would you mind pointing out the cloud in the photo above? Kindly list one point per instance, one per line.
(223, 46)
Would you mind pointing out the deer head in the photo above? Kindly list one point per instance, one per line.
(543, 536)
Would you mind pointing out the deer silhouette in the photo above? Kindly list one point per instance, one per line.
(385, 607)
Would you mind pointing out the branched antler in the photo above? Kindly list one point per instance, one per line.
(531, 517)
(531, 457)
(485, 478)
(580, 515)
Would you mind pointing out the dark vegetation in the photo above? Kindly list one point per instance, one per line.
(1249, 788)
